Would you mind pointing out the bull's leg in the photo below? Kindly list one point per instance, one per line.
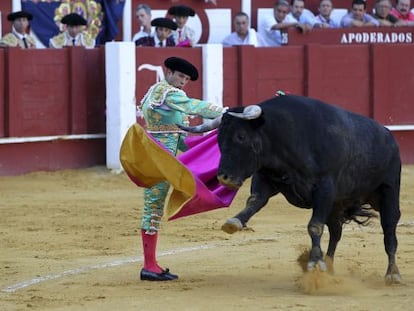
(335, 234)
(253, 205)
(322, 202)
(390, 215)
(261, 190)
(315, 230)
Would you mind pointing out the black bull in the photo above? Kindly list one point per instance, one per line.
(340, 164)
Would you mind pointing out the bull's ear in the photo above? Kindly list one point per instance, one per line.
(256, 124)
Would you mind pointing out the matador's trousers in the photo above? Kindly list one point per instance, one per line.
(154, 197)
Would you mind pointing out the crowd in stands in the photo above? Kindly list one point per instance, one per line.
(274, 28)
(174, 31)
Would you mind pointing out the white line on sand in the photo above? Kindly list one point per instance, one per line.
(14, 287)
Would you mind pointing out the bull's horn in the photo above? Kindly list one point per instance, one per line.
(249, 113)
(207, 125)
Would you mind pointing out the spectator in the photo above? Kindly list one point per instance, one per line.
(74, 35)
(358, 17)
(324, 20)
(402, 12)
(163, 28)
(184, 36)
(19, 37)
(382, 14)
(163, 107)
(304, 17)
(274, 29)
(143, 13)
(243, 35)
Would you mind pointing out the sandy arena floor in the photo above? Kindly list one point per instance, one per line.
(70, 241)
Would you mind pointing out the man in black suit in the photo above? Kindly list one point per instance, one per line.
(163, 28)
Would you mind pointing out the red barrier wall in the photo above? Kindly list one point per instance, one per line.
(51, 93)
(5, 9)
(255, 74)
(2, 91)
(20, 158)
(393, 84)
(62, 92)
(54, 92)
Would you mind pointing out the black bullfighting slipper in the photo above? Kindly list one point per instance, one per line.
(165, 275)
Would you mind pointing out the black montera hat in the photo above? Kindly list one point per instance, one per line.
(73, 19)
(15, 15)
(164, 22)
(181, 65)
(181, 10)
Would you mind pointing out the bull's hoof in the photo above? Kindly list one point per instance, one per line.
(232, 225)
(393, 275)
(312, 265)
(391, 279)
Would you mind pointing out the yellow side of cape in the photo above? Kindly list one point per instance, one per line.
(148, 162)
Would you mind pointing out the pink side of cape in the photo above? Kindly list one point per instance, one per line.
(202, 159)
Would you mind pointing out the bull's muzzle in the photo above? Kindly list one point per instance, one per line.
(225, 180)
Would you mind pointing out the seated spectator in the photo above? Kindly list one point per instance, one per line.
(304, 17)
(143, 13)
(402, 12)
(163, 28)
(324, 20)
(358, 17)
(74, 35)
(382, 14)
(274, 30)
(243, 35)
(184, 36)
(19, 37)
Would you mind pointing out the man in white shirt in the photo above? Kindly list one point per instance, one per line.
(143, 13)
(358, 16)
(243, 34)
(274, 28)
(323, 19)
(302, 15)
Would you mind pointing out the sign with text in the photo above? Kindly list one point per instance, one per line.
(365, 35)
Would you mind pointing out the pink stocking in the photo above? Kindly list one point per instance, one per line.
(149, 246)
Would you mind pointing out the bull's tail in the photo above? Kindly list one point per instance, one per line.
(361, 214)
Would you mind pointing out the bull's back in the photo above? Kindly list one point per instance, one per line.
(356, 151)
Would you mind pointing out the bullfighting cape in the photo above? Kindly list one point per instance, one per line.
(193, 175)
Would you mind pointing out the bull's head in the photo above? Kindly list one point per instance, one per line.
(239, 143)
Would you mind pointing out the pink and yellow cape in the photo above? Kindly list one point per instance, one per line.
(192, 175)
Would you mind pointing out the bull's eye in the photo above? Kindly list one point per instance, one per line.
(241, 137)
